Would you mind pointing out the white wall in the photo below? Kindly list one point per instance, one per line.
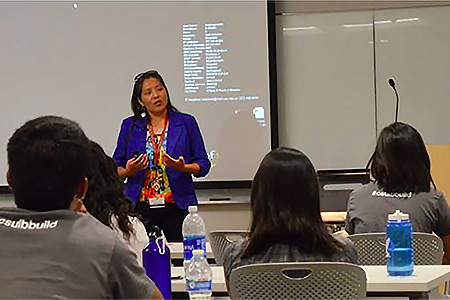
(288, 6)
(333, 69)
(238, 216)
(326, 87)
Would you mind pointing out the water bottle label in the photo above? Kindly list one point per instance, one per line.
(192, 285)
(193, 243)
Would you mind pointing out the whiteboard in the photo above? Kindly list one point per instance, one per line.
(326, 87)
(413, 46)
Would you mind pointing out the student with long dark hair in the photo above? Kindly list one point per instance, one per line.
(158, 151)
(400, 168)
(106, 201)
(286, 222)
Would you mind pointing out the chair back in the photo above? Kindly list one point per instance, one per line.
(317, 280)
(219, 240)
(428, 248)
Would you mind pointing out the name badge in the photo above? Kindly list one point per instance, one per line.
(156, 202)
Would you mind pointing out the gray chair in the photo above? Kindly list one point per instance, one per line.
(219, 240)
(371, 248)
(319, 280)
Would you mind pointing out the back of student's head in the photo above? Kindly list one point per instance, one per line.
(286, 205)
(47, 160)
(400, 162)
(105, 198)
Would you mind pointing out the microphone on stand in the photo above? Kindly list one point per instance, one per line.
(392, 84)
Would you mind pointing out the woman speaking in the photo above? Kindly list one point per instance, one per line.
(158, 151)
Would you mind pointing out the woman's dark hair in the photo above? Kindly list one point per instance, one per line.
(136, 107)
(105, 196)
(400, 162)
(286, 206)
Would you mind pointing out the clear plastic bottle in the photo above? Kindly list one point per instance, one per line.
(194, 233)
(199, 277)
(399, 245)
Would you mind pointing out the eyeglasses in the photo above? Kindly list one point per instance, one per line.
(144, 74)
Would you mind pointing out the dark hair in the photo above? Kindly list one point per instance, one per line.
(400, 162)
(136, 107)
(47, 160)
(286, 206)
(105, 197)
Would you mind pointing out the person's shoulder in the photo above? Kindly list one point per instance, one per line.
(348, 250)
(133, 122)
(128, 120)
(72, 229)
(235, 248)
(90, 222)
(9, 210)
(232, 256)
(92, 232)
(185, 117)
(364, 190)
(345, 241)
(140, 233)
(434, 196)
(126, 123)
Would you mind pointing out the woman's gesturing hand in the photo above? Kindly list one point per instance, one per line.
(136, 164)
(177, 164)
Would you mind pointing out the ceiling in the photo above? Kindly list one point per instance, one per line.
(291, 6)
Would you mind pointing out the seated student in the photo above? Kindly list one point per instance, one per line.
(47, 250)
(400, 167)
(286, 222)
(106, 201)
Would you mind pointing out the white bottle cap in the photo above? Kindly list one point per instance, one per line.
(197, 252)
(192, 208)
(398, 216)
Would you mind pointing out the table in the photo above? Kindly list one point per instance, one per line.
(426, 279)
(179, 285)
(176, 250)
(333, 217)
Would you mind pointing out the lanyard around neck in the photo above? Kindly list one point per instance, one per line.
(157, 144)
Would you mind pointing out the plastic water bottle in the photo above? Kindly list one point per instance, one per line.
(193, 234)
(399, 245)
(199, 277)
(156, 258)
